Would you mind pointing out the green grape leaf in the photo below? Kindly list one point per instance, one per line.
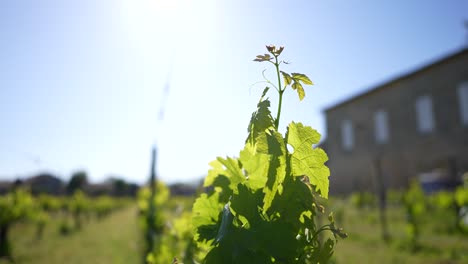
(214, 256)
(302, 78)
(213, 173)
(287, 78)
(295, 201)
(265, 91)
(217, 179)
(205, 217)
(324, 253)
(272, 144)
(247, 203)
(226, 224)
(300, 90)
(251, 257)
(255, 165)
(233, 172)
(228, 169)
(298, 80)
(284, 249)
(265, 57)
(261, 119)
(306, 160)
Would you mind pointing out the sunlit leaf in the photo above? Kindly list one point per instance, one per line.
(306, 160)
(287, 78)
(301, 77)
(265, 57)
(300, 90)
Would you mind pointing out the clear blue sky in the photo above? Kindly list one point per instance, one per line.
(81, 82)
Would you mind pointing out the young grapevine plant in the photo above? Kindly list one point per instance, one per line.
(261, 207)
(415, 204)
(14, 206)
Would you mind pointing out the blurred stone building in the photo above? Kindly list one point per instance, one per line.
(413, 126)
(44, 183)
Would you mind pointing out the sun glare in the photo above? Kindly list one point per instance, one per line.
(154, 25)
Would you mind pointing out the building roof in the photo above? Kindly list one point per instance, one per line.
(42, 177)
(402, 77)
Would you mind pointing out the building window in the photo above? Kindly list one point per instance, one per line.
(381, 126)
(424, 114)
(347, 134)
(463, 102)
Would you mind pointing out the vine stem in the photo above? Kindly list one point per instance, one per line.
(280, 93)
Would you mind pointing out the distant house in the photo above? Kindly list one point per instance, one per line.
(105, 188)
(414, 125)
(5, 186)
(45, 183)
(183, 189)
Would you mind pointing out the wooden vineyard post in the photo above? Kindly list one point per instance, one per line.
(381, 196)
(151, 216)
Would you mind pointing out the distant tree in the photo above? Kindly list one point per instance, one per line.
(120, 187)
(77, 181)
(132, 189)
(17, 183)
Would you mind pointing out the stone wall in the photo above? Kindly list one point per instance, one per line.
(408, 152)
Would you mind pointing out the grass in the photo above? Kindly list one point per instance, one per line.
(114, 239)
(365, 244)
(118, 239)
